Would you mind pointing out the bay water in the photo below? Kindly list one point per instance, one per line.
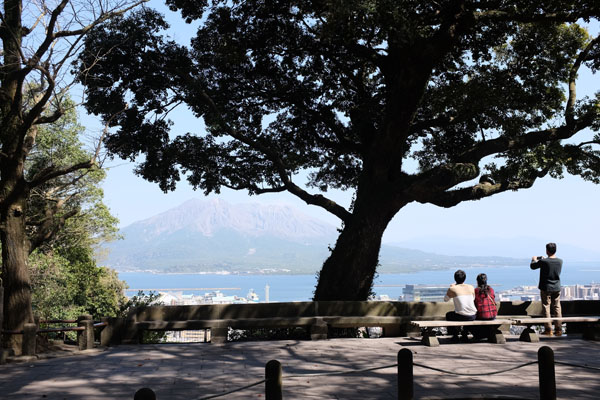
(300, 287)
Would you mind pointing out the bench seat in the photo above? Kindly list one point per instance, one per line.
(360, 321)
(530, 335)
(438, 324)
(429, 338)
(543, 320)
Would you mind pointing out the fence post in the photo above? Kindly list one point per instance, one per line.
(1, 313)
(405, 375)
(3, 351)
(273, 383)
(29, 339)
(85, 339)
(110, 335)
(1, 305)
(144, 394)
(546, 371)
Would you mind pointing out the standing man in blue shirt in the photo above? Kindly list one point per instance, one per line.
(550, 268)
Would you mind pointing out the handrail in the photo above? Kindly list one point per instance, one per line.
(58, 321)
(62, 329)
(9, 332)
(59, 329)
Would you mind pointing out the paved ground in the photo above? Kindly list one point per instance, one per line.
(193, 371)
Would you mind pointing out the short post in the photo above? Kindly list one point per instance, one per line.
(110, 334)
(273, 383)
(106, 332)
(144, 394)
(405, 375)
(546, 371)
(218, 335)
(85, 338)
(1, 307)
(29, 339)
(319, 329)
(1, 312)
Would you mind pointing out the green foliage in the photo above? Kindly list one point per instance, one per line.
(50, 298)
(66, 219)
(142, 299)
(65, 286)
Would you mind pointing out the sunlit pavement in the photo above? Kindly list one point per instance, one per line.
(191, 371)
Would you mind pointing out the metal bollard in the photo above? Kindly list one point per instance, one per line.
(29, 339)
(274, 383)
(144, 394)
(546, 371)
(405, 375)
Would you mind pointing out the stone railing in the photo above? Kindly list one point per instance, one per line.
(393, 316)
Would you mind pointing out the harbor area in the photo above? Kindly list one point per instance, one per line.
(326, 369)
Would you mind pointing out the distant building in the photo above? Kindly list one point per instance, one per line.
(424, 292)
(216, 297)
(581, 292)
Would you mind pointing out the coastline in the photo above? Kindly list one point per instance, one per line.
(300, 287)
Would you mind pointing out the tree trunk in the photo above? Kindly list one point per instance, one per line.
(349, 271)
(15, 274)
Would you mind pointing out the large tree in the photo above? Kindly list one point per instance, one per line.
(39, 40)
(401, 101)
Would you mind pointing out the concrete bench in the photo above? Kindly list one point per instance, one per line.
(530, 335)
(429, 337)
(318, 326)
(219, 327)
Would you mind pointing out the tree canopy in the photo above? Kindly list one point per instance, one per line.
(400, 101)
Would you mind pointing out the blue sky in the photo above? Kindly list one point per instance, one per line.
(564, 211)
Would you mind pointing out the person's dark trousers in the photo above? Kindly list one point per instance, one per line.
(453, 316)
(482, 332)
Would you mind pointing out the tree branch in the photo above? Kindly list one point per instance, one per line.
(482, 189)
(569, 109)
(424, 186)
(30, 118)
(49, 227)
(51, 172)
(503, 143)
(508, 16)
(279, 165)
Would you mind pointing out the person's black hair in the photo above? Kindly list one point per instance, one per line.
(482, 284)
(460, 276)
(551, 249)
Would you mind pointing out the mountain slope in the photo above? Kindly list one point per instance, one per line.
(215, 236)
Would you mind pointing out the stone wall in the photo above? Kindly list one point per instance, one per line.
(423, 310)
